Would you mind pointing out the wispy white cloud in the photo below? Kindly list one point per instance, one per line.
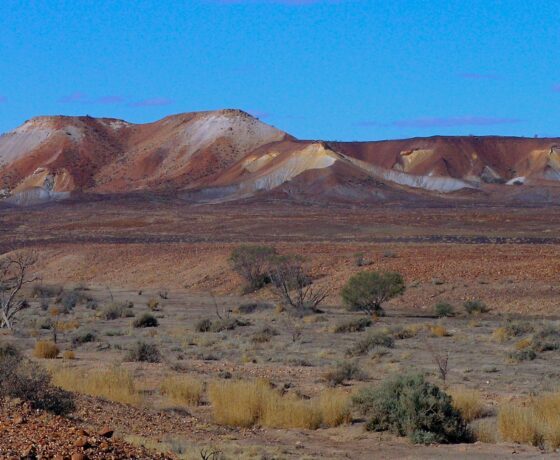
(74, 98)
(151, 102)
(441, 122)
(82, 98)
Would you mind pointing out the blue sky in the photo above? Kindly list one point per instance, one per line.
(319, 69)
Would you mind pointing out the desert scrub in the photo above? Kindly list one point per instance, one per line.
(537, 422)
(367, 291)
(252, 307)
(183, 390)
(264, 335)
(343, 371)
(153, 304)
(518, 356)
(115, 384)
(83, 337)
(219, 325)
(407, 332)
(46, 350)
(246, 403)
(438, 330)
(371, 341)
(546, 338)
(352, 325)
(29, 382)
(444, 309)
(252, 263)
(68, 355)
(410, 406)
(468, 403)
(117, 310)
(144, 352)
(146, 320)
(475, 307)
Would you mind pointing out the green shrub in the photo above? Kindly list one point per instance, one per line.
(517, 328)
(83, 337)
(203, 325)
(344, 370)
(146, 320)
(23, 379)
(473, 307)
(353, 325)
(526, 354)
(371, 341)
(252, 263)
(367, 291)
(144, 352)
(546, 338)
(444, 309)
(410, 406)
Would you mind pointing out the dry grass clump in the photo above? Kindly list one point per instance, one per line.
(537, 422)
(484, 430)
(114, 384)
(46, 350)
(437, 330)
(241, 403)
(182, 390)
(524, 343)
(501, 335)
(468, 403)
(69, 354)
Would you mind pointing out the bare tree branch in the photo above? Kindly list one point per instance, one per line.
(14, 276)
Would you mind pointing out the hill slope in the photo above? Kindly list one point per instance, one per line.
(228, 154)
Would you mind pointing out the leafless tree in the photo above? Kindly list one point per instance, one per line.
(441, 360)
(294, 285)
(14, 275)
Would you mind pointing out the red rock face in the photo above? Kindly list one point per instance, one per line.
(228, 154)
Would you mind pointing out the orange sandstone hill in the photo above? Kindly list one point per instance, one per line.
(228, 155)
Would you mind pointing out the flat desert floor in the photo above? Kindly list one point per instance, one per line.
(134, 251)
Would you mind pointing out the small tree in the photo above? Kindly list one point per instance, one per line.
(253, 264)
(366, 291)
(294, 285)
(14, 275)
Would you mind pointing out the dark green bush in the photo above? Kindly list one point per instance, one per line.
(367, 291)
(410, 406)
(371, 341)
(528, 354)
(353, 325)
(23, 379)
(252, 263)
(203, 325)
(546, 338)
(473, 307)
(144, 352)
(146, 320)
(83, 337)
(444, 309)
